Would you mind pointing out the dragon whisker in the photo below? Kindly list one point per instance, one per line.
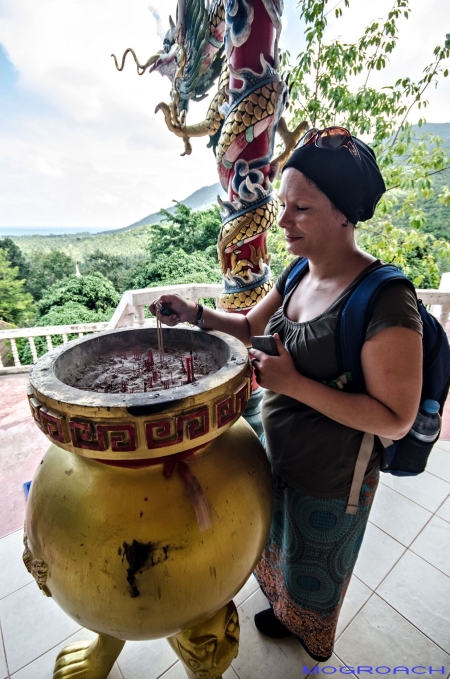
(141, 68)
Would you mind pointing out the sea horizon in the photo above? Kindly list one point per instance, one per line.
(17, 231)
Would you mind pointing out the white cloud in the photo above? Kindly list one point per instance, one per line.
(103, 157)
(96, 154)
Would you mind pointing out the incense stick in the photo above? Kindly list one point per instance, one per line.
(159, 333)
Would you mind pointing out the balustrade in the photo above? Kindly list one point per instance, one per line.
(131, 311)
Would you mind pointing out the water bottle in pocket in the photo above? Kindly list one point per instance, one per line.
(410, 454)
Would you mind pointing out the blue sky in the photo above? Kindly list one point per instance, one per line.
(80, 144)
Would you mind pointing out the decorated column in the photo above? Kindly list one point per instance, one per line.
(235, 42)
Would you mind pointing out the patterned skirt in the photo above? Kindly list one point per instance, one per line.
(308, 560)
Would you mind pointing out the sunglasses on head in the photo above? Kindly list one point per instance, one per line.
(331, 139)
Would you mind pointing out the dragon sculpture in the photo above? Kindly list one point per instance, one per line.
(236, 43)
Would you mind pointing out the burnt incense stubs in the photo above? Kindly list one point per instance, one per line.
(139, 370)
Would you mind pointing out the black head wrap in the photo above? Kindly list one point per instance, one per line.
(353, 187)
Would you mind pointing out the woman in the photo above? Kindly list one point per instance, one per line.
(313, 431)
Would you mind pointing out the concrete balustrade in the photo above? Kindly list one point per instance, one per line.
(10, 336)
(131, 312)
(131, 308)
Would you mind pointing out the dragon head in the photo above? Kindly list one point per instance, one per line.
(164, 61)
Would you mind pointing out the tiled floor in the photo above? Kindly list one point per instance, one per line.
(396, 613)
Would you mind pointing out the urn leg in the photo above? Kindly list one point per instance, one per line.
(88, 659)
(208, 649)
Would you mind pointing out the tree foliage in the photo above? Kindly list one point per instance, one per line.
(113, 267)
(48, 269)
(16, 306)
(415, 252)
(15, 256)
(70, 313)
(94, 292)
(174, 268)
(330, 84)
(186, 229)
(418, 254)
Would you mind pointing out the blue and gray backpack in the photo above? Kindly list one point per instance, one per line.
(402, 457)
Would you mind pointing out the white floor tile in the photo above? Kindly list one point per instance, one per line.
(379, 552)
(357, 595)
(444, 511)
(32, 624)
(331, 666)
(13, 574)
(427, 490)
(439, 462)
(3, 668)
(379, 636)
(250, 587)
(445, 445)
(146, 659)
(178, 672)
(421, 594)
(263, 658)
(433, 544)
(397, 515)
(42, 668)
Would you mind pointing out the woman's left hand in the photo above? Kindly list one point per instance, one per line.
(274, 372)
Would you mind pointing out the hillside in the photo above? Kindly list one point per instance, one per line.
(129, 241)
(437, 215)
(199, 200)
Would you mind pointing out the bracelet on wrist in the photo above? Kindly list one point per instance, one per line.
(199, 320)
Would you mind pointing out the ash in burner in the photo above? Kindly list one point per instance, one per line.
(138, 372)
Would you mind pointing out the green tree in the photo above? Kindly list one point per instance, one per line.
(16, 306)
(186, 230)
(113, 267)
(174, 268)
(70, 313)
(330, 85)
(94, 292)
(416, 253)
(15, 256)
(47, 269)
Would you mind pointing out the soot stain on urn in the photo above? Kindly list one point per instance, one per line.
(140, 556)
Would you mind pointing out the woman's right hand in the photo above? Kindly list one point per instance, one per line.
(183, 310)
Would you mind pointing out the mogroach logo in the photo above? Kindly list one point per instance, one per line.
(369, 669)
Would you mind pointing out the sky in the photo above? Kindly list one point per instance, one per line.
(80, 144)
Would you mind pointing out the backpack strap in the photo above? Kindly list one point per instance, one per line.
(365, 451)
(351, 330)
(350, 336)
(354, 318)
(362, 461)
(294, 275)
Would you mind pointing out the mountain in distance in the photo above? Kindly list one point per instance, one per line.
(207, 196)
(438, 129)
(201, 199)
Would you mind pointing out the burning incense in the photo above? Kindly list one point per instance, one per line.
(159, 333)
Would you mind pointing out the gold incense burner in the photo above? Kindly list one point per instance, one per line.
(112, 529)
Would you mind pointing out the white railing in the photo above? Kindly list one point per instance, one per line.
(131, 311)
(11, 335)
(132, 306)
